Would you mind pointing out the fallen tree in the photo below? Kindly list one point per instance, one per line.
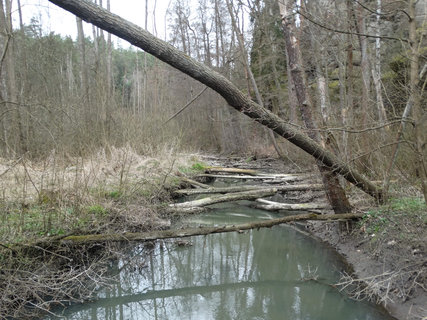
(275, 206)
(141, 38)
(297, 187)
(193, 182)
(234, 196)
(232, 170)
(180, 233)
(258, 177)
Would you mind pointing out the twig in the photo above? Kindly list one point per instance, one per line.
(11, 166)
(187, 105)
(349, 32)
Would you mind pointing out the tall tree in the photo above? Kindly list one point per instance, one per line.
(334, 191)
(84, 82)
(415, 95)
(12, 102)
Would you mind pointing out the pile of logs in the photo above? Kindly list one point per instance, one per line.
(267, 185)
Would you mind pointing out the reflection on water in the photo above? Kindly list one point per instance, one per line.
(275, 273)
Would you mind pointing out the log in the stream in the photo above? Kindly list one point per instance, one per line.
(280, 178)
(232, 170)
(192, 182)
(296, 187)
(167, 234)
(275, 206)
(245, 195)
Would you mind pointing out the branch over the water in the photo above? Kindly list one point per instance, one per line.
(167, 234)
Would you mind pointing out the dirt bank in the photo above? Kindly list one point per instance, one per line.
(390, 272)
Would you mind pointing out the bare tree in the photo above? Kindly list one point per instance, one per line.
(84, 85)
(334, 191)
(11, 96)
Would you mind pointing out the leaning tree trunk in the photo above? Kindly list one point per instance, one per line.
(333, 189)
(235, 98)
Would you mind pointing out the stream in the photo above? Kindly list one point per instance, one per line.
(277, 273)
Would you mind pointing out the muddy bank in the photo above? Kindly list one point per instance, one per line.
(398, 286)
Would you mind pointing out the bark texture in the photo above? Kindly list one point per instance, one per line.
(235, 98)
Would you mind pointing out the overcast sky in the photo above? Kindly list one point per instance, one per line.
(55, 19)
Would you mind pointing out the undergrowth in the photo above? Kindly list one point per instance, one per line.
(399, 218)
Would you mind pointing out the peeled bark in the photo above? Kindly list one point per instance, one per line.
(235, 98)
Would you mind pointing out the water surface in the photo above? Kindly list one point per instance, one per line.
(276, 273)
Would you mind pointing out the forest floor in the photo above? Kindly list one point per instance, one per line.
(119, 191)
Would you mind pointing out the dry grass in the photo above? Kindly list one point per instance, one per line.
(114, 188)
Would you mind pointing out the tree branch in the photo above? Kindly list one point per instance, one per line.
(167, 234)
(348, 32)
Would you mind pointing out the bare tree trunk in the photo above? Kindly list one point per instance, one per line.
(376, 71)
(334, 191)
(144, 102)
(365, 65)
(11, 84)
(293, 101)
(415, 96)
(166, 234)
(109, 58)
(348, 108)
(322, 84)
(234, 97)
(83, 65)
(250, 74)
(21, 22)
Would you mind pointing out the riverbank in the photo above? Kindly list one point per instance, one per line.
(387, 251)
(123, 192)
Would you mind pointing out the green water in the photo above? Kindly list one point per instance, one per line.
(276, 273)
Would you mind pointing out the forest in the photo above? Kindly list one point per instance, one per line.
(96, 139)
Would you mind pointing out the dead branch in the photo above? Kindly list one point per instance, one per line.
(166, 234)
(274, 206)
